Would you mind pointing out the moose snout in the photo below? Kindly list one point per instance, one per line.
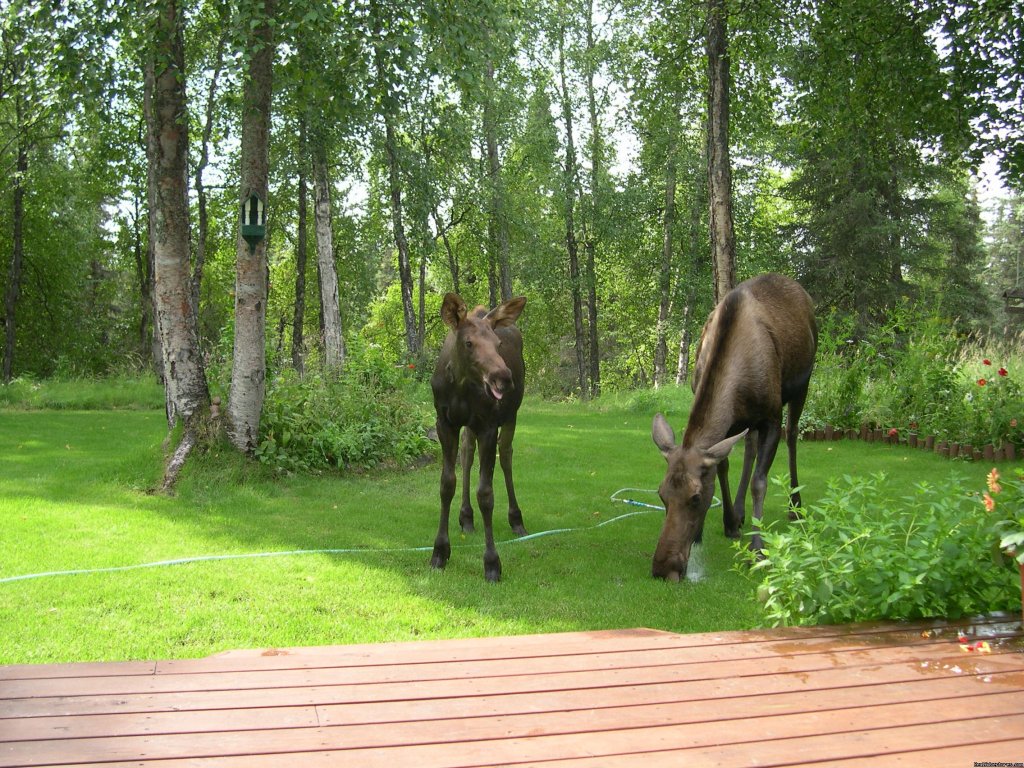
(671, 568)
(672, 554)
(498, 383)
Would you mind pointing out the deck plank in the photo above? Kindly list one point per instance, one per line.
(907, 693)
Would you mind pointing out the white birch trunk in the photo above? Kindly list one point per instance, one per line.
(334, 341)
(249, 365)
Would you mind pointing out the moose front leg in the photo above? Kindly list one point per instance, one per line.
(467, 452)
(488, 443)
(768, 444)
(739, 513)
(448, 436)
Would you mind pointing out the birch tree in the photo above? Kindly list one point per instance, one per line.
(723, 236)
(187, 396)
(248, 370)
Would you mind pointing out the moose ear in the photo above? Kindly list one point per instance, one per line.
(453, 310)
(663, 435)
(507, 312)
(720, 450)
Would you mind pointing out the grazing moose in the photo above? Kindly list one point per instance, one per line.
(478, 384)
(755, 355)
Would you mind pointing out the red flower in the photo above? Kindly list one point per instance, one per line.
(1003, 372)
(893, 432)
(986, 361)
(982, 382)
(412, 366)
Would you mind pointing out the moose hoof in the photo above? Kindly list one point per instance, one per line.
(467, 526)
(733, 534)
(519, 530)
(492, 570)
(757, 547)
(440, 557)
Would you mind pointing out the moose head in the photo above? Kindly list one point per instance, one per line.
(475, 355)
(686, 492)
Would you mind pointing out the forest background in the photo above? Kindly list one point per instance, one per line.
(558, 150)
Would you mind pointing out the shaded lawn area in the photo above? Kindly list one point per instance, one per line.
(73, 495)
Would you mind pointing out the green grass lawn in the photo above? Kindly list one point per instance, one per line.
(74, 496)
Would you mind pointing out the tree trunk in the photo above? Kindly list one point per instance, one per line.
(723, 239)
(497, 223)
(453, 262)
(668, 223)
(401, 242)
(187, 395)
(144, 280)
(683, 361)
(394, 183)
(595, 210)
(156, 351)
(204, 159)
(301, 253)
(334, 341)
(248, 370)
(570, 227)
(13, 291)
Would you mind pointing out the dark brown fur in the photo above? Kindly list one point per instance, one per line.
(755, 356)
(478, 385)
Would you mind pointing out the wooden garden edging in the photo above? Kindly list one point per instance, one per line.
(952, 450)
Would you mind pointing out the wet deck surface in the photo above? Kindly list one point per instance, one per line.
(874, 695)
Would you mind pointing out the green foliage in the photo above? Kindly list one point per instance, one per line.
(914, 373)
(865, 551)
(1005, 500)
(371, 414)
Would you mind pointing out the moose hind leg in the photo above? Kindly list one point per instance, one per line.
(466, 456)
(449, 439)
(515, 514)
(796, 407)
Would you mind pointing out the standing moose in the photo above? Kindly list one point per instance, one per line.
(478, 384)
(755, 355)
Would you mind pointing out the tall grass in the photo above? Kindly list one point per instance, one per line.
(83, 394)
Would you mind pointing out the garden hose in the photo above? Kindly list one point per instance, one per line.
(348, 551)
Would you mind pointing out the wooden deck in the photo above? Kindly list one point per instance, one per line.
(871, 695)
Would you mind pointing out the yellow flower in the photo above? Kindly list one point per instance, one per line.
(993, 481)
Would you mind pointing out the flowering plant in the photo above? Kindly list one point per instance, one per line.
(993, 406)
(1005, 498)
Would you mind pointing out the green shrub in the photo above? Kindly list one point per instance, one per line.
(1005, 501)
(861, 553)
(375, 412)
(916, 374)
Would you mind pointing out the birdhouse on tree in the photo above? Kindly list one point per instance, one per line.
(254, 221)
